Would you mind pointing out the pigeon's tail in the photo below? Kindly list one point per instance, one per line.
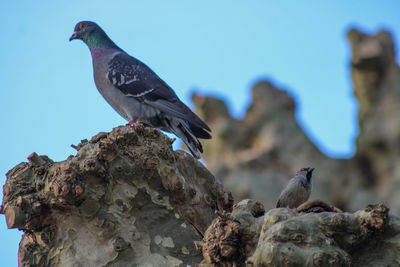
(199, 132)
(182, 129)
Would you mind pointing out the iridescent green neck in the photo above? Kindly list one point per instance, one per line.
(98, 39)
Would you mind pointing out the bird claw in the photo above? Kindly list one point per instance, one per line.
(136, 123)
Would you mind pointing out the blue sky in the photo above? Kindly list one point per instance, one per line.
(48, 99)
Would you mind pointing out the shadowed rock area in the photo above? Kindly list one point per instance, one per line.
(255, 156)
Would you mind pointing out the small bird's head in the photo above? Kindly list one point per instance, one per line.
(83, 30)
(307, 172)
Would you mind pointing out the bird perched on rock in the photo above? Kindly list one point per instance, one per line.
(298, 190)
(136, 92)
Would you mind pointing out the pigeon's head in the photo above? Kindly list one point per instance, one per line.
(306, 172)
(84, 29)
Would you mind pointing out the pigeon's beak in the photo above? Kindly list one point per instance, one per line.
(311, 169)
(74, 36)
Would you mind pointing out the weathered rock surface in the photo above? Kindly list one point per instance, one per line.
(376, 79)
(284, 237)
(125, 199)
(255, 156)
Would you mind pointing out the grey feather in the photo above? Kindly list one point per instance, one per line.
(298, 189)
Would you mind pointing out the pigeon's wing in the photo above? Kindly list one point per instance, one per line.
(135, 79)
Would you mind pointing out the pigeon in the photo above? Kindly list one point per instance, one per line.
(298, 190)
(136, 92)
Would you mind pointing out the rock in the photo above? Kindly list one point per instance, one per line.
(125, 199)
(284, 237)
(255, 156)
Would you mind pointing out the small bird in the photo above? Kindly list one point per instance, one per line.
(136, 92)
(298, 190)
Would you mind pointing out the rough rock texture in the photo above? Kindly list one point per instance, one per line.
(125, 199)
(284, 237)
(256, 155)
(232, 237)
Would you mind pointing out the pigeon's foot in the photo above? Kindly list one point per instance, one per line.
(137, 123)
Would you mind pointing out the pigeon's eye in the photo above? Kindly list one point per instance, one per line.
(82, 26)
